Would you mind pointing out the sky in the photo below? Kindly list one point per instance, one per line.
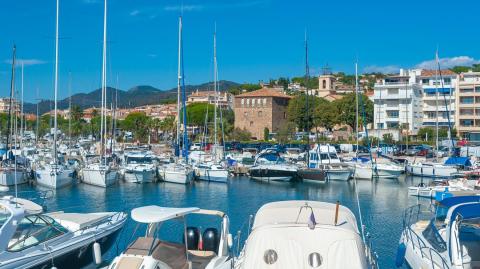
(256, 40)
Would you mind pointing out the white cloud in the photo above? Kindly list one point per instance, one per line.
(448, 62)
(183, 8)
(134, 12)
(386, 69)
(26, 62)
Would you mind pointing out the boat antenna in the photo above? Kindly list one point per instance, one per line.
(12, 86)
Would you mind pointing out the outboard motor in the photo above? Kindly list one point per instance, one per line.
(193, 237)
(211, 240)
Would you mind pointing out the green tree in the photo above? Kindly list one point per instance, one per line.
(426, 134)
(286, 133)
(325, 114)
(346, 110)
(196, 113)
(301, 115)
(138, 124)
(238, 134)
(266, 134)
(388, 138)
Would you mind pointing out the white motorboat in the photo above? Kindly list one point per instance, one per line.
(432, 170)
(269, 166)
(325, 158)
(99, 175)
(177, 173)
(54, 176)
(449, 238)
(367, 170)
(211, 172)
(32, 239)
(294, 154)
(304, 234)
(207, 249)
(139, 168)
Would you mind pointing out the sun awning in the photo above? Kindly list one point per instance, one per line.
(155, 214)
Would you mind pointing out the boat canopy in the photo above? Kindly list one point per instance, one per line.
(463, 161)
(156, 214)
(466, 211)
(31, 208)
(456, 200)
(300, 212)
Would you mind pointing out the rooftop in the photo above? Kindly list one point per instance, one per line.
(432, 73)
(265, 92)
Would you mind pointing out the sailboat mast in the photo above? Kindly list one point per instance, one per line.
(436, 102)
(104, 84)
(22, 121)
(184, 106)
(307, 78)
(215, 88)
(55, 88)
(70, 108)
(356, 104)
(12, 88)
(179, 79)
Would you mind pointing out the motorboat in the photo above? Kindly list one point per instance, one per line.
(304, 234)
(294, 154)
(365, 169)
(177, 173)
(269, 166)
(99, 175)
(30, 238)
(211, 172)
(207, 249)
(431, 170)
(324, 158)
(54, 175)
(440, 186)
(448, 238)
(139, 167)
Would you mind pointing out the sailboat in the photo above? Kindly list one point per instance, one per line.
(99, 172)
(371, 169)
(214, 170)
(179, 171)
(10, 173)
(55, 174)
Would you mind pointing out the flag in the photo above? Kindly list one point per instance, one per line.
(311, 221)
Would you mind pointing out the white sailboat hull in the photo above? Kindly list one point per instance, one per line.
(180, 175)
(366, 171)
(208, 174)
(339, 175)
(99, 177)
(140, 176)
(8, 177)
(434, 170)
(54, 179)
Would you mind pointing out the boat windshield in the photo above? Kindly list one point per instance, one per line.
(470, 238)
(139, 160)
(34, 230)
(333, 155)
(433, 237)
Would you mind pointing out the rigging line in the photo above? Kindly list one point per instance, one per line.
(446, 105)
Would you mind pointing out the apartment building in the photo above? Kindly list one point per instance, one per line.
(5, 105)
(438, 94)
(398, 102)
(467, 100)
(224, 99)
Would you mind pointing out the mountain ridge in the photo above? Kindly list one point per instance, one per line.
(136, 96)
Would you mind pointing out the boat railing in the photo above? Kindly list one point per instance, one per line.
(411, 216)
(372, 256)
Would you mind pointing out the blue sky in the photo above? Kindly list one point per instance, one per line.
(257, 39)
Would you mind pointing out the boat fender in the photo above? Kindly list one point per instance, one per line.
(400, 259)
(97, 253)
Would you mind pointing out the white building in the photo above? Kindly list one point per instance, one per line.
(443, 83)
(398, 102)
(468, 106)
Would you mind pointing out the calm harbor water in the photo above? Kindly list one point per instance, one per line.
(382, 203)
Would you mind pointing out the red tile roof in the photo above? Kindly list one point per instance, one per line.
(265, 92)
(431, 73)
